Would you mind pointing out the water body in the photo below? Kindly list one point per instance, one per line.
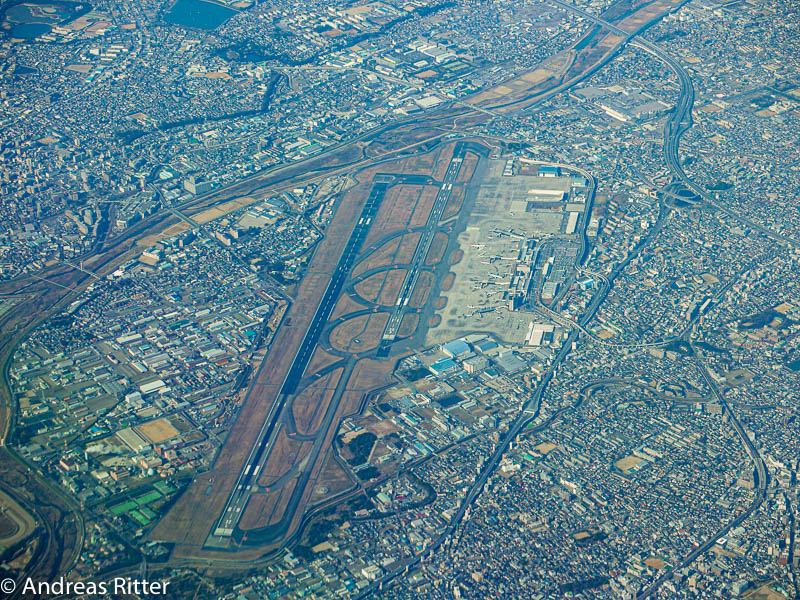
(28, 19)
(29, 31)
(198, 14)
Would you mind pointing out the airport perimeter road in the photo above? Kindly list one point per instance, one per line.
(247, 481)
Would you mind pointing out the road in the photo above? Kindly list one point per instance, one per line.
(761, 486)
(679, 121)
(528, 413)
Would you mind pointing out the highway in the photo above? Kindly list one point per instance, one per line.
(424, 244)
(528, 414)
(247, 481)
(531, 409)
(761, 483)
(679, 121)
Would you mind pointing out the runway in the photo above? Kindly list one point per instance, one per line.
(247, 481)
(424, 245)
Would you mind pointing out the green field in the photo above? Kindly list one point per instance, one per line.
(139, 517)
(164, 487)
(123, 508)
(148, 498)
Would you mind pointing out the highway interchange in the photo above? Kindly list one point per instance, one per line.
(678, 122)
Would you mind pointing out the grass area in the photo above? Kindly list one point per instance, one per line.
(123, 508)
(148, 498)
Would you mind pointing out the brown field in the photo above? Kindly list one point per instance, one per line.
(408, 325)
(383, 428)
(382, 256)
(411, 135)
(440, 302)
(285, 453)
(184, 524)
(373, 332)
(345, 306)
(343, 334)
(223, 209)
(370, 374)
(765, 592)
(256, 506)
(447, 282)
(512, 89)
(316, 395)
(545, 448)
(467, 167)
(157, 431)
(408, 244)
(391, 287)
(320, 360)
(443, 161)
(394, 213)
(172, 230)
(333, 479)
(627, 463)
(455, 257)
(454, 203)
(79, 68)
(420, 164)
(370, 287)
(436, 251)
(349, 404)
(420, 294)
(647, 13)
(365, 328)
(265, 508)
(424, 205)
(569, 65)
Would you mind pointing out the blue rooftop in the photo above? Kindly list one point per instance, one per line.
(485, 345)
(456, 347)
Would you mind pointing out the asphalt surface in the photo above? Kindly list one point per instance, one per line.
(424, 245)
(247, 481)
